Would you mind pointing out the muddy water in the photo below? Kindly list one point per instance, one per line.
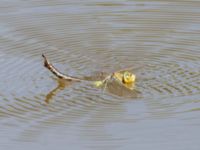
(159, 39)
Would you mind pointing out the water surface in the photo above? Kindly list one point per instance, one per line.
(159, 39)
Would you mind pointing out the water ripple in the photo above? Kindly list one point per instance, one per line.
(160, 40)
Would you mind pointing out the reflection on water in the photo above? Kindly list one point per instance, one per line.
(62, 84)
(159, 39)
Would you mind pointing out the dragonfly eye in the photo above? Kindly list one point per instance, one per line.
(128, 77)
(127, 74)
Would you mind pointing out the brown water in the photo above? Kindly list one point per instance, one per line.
(160, 39)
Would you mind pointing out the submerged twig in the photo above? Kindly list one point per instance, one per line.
(55, 71)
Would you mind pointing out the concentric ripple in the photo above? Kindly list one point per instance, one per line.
(160, 40)
(170, 77)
